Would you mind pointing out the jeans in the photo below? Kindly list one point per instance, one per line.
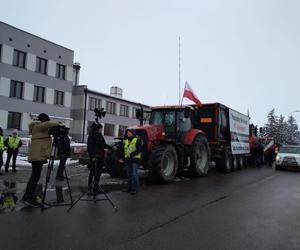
(133, 177)
(30, 192)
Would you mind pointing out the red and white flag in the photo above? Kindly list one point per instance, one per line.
(189, 93)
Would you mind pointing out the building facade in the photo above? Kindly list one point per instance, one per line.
(39, 76)
(36, 76)
(120, 113)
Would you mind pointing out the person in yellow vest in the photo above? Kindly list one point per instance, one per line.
(1, 149)
(13, 143)
(132, 156)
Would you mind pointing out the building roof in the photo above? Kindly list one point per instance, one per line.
(116, 98)
(35, 36)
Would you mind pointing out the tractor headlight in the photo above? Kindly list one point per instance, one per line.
(278, 158)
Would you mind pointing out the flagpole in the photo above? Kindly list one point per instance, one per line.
(182, 99)
(179, 75)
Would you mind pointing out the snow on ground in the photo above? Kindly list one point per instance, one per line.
(23, 162)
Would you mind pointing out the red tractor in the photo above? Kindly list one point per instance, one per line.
(171, 143)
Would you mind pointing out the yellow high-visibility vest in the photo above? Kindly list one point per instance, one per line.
(130, 147)
(13, 143)
(1, 143)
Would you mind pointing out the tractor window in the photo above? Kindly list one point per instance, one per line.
(170, 124)
(170, 118)
(184, 124)
(156, 118)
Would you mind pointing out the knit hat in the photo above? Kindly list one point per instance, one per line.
(43, 117)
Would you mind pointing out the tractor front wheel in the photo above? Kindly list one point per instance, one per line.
(164, 163)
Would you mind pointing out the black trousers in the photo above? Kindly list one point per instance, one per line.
(13, 154)
(96, 168)
(30, 192)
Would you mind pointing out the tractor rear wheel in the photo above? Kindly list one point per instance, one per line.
(200, 156)
(163, 163)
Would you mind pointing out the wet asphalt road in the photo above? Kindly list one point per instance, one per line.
(248, 209)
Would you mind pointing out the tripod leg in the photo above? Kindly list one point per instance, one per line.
(110, 201)
(74, 203)
(69, 187)
(49, 169)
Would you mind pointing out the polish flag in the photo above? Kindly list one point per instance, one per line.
(189, 93)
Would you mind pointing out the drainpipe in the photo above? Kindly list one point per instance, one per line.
(84, 112)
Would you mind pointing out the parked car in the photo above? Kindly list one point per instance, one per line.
(288, 157)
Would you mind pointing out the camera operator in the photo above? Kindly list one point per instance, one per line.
(64, 152)
(39, 152)
(95, 147)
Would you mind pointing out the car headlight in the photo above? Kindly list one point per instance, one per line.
(278, 158)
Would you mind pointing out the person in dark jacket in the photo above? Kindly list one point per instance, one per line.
(96, 149)
(13, 143)
(64, 152)
(132, 155)
(2, 147)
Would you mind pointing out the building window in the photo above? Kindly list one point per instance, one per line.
(134, 112)
(0, 52)
(59, 98)
(39, 94)
(14, 120)
(122, 130)
(109, 129)
(41, 65)
(111, 108)
(16, 89)
(19, 59)
(94, 103)
(60, 71)
(124, 110)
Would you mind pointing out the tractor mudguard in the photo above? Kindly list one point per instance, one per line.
(191, 135)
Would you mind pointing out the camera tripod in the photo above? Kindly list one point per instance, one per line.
(55, 149)
(95, 193)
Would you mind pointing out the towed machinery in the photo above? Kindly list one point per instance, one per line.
(180, 138)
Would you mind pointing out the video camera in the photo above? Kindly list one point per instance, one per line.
(58, 131)
(99, 113)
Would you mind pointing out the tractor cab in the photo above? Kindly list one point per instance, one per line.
(176, 120)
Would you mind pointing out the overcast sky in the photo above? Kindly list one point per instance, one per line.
(242, 53)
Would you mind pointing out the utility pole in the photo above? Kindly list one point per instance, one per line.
(179, 76)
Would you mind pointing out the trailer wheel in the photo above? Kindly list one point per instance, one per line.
(200, 156)
(235, 163)
(163, 163)
(241, 161)
(227, 162)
